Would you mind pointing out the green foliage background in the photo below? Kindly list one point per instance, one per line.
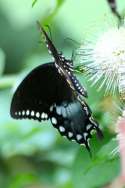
(32, 154)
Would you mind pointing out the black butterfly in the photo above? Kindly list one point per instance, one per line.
(51, 91)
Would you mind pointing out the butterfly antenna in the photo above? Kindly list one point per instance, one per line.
(85, 68)
(73, 52)
(72, 40)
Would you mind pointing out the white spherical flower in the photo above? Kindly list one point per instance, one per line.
(105, 59)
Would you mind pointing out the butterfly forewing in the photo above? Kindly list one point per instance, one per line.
(38, 92)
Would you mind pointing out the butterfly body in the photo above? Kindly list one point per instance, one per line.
(51, 91)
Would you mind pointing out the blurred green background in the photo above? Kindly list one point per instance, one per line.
(32, 154)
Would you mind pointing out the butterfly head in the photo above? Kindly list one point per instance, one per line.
(57, 56)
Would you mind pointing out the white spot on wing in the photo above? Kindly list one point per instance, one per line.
(43, 115)
(53, 59)
(64, 114)
(88, 127)
(78, 137)
(53, 120)
(32, 113)
(23, 112)
(62, 129)
(51, 108)
(49, 51)
(86, 109)
(81, 90)
(70, 134)
(19, 113)
(37, 114)
(58, 110)
(85, 135)
(27, 112)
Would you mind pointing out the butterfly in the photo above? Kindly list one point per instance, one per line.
(52, 91)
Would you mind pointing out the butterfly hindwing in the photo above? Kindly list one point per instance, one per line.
(73, 121)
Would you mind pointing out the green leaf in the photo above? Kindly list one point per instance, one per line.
(7, 81)
(49, 18)
(22, 180)
(34, 2)
(106, 152)
(96, 171)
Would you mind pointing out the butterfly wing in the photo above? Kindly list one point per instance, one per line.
(45, 94)
(74, 121)
(43, 87)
